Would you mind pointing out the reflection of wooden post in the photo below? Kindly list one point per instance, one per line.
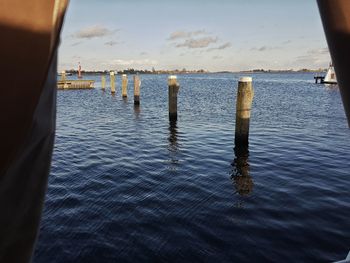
(137, 84)
(112, 76)
(245, 96)
(63, 75)
(241, 176)
(103, 82)
(124, 85)
(173, 90)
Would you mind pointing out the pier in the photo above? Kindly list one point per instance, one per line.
(75, 84)
(319, 79)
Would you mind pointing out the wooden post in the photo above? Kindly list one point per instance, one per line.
(137, 84)
(173, 90)
(112, 77)
(245, 94)
(103, 82)
(63, 75)
(124, 86)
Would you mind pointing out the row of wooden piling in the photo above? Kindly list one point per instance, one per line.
(137, 84)
(245, 94)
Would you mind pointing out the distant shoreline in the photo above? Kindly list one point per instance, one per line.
(179, 72)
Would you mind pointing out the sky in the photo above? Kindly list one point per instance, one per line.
(220, 35)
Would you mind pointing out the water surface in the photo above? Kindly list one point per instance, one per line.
(128, 186)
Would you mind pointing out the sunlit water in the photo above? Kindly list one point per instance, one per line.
(126, 186)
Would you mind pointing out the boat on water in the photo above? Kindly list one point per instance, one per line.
(329, 78)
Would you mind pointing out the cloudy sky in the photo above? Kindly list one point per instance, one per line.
(193, 34)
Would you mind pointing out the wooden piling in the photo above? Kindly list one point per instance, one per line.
(137, 84)
(124, 86)
(103, 82)
(63, 75)
(112, 79)
(173, 87)
(245, 94)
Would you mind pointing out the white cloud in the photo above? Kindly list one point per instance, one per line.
(93, 31)
(319, 57)
(198, 43)
(198, 39)
(111, 43)
(264, 48)
(121, 63)
(185, 34)
(76, 43)
(221, 47)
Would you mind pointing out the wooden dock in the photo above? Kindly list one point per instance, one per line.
(319, 79)
(75, 84)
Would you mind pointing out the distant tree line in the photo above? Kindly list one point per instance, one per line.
(138, 71)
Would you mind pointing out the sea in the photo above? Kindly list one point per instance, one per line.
(128, 185)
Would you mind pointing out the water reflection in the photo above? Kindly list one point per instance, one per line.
(173, 146)
(240, 176)
(331, 86)
(137, 111)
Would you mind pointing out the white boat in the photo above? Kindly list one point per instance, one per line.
(330, 77)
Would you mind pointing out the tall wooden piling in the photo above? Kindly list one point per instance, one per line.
(112, 79)
(103, 82)
(173, 87)
(245, 94)
(137, 84)
(124, 86)
(63, 75)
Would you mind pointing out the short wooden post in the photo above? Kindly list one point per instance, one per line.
(103, 82)
(124, 86)
(137, 84)
(63, 75)
(112, 77)
(245, 94)
(173, 90)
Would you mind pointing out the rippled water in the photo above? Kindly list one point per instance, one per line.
(126, 186)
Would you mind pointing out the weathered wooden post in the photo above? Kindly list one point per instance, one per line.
(173, 90)
(63, 75)
(137, 84)
(103, 82)
(124, 86)
(245, 94)
(112, 79)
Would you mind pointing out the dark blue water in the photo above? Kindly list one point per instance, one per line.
(126, 186)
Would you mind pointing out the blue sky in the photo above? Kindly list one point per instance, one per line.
(212, 35)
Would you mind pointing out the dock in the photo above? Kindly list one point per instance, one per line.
(319, 79)
(75, 84)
